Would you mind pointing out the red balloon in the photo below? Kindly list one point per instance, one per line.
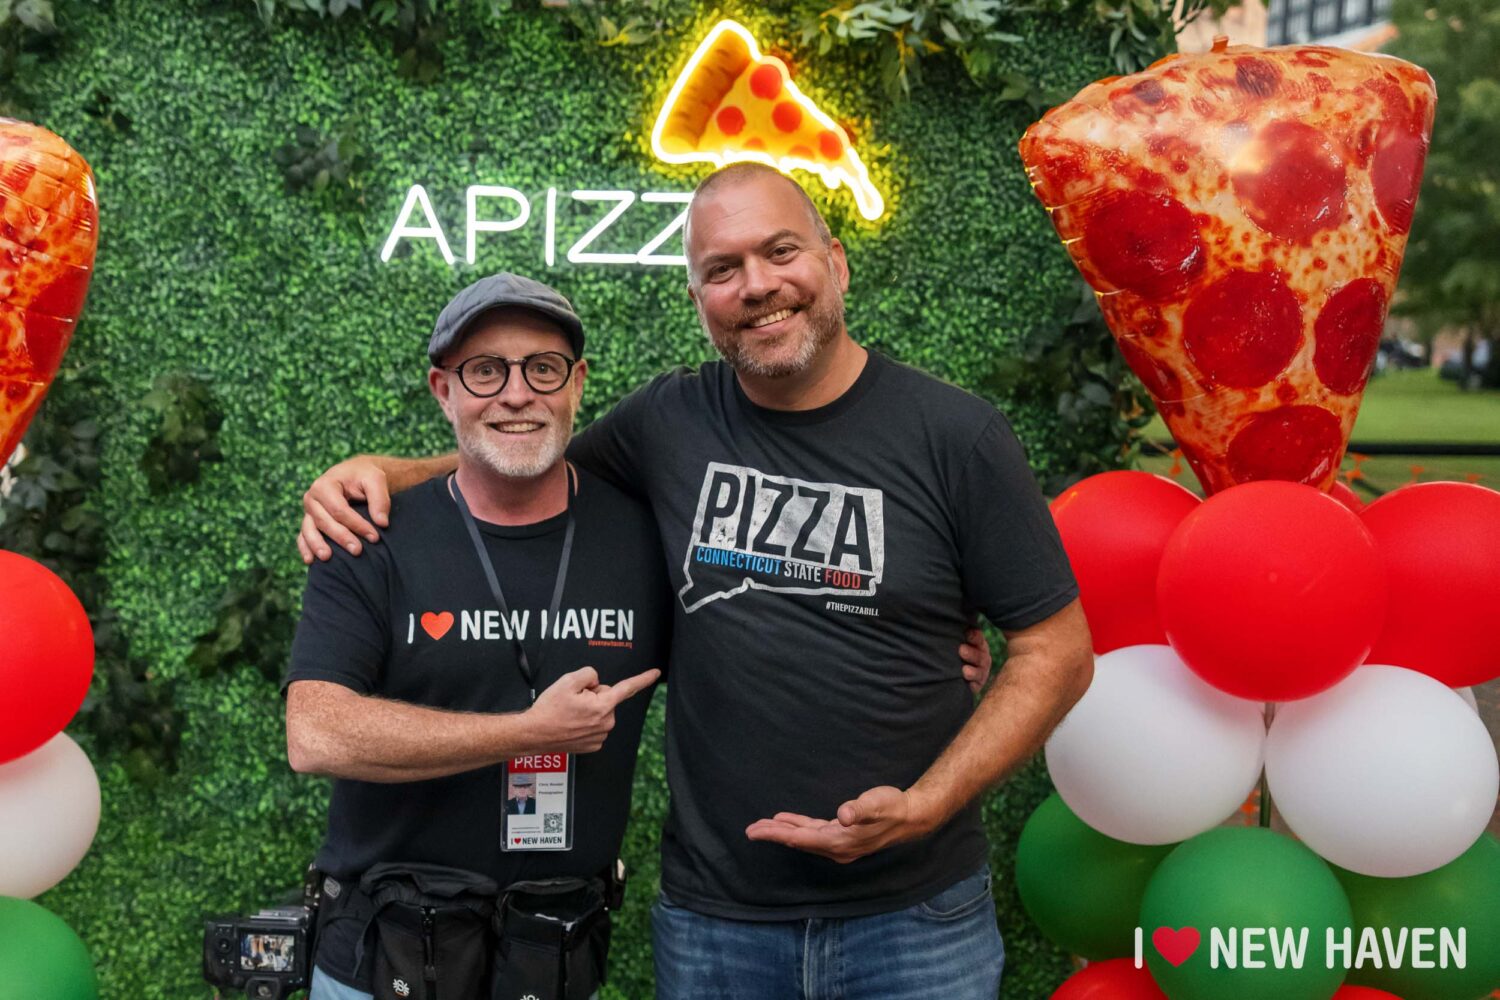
(46, 659)
(1271, 591)
(1117, 979)
(1441, 546)
(1114, 527)
(1363, 993)
(1341, 492)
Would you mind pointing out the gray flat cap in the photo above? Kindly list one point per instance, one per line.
(495, 291)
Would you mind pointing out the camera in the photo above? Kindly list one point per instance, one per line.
(268, 955)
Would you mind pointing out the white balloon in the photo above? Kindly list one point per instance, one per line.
(1152, 754)
(1388, 773)
(1467, 694)
(49, 813)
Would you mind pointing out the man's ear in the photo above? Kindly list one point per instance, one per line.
(437, 382)
(840, 263)
(580, 373)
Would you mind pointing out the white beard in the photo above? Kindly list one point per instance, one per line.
(514, 460)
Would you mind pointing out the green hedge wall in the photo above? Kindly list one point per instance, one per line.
(314, 348)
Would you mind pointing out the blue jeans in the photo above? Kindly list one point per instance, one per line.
(948, 946)
(325, 987)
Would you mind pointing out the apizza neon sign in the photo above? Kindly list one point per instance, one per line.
(417, 222)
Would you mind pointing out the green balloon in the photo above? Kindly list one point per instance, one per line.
(1227, 884)
(1082, 889)
(1465, 893)
(40, 956)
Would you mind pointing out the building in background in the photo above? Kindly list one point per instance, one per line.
(1351, 24)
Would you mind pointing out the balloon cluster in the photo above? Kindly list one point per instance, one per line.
(1356, 627)
(49, 794)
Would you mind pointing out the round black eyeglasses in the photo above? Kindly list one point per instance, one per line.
(486, 375)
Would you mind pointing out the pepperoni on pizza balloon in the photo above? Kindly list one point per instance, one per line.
(1242, 215)
(48, 233)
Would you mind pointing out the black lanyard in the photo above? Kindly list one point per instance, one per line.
(528, 672)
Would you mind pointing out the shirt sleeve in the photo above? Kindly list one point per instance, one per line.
(343, 635)
(1014, 568)
(613, 446)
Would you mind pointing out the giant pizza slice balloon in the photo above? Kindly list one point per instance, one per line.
(1242, 215)
(49, 228)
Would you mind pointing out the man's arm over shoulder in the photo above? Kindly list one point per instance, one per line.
(328, 517)
(618, 442)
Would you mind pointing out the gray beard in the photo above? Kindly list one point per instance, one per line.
(476, 444)
(823, 327)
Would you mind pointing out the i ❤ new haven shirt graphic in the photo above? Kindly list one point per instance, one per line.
(413, 620)
(825, 565)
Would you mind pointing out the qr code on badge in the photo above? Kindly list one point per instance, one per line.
(552, 822)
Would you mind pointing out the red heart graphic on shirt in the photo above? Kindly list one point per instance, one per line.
(517, 840)
(1176, 946)
(437, 625)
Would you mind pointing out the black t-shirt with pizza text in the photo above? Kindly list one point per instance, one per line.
(826, 564)
(413, 620)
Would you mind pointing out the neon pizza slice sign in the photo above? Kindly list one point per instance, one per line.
(733, 103)
(730, 103)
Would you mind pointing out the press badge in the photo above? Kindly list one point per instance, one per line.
(539, 803)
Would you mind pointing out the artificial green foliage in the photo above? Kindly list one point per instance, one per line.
(321, 163)
(28, 34)
(416, 27)
(103, 108)
(1141, 31)
(906, 33)
(315, 350)
(1074, 362)
(130, 711)
(252, 626)
(185, 433)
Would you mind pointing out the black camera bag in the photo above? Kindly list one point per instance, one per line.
(553, 940)
(432, 931)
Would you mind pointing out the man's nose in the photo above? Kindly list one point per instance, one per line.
(516, 392)
(760, 280)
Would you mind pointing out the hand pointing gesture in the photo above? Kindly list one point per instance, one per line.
(576, 713)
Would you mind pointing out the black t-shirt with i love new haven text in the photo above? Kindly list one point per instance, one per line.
(413, 620)
(826, 563)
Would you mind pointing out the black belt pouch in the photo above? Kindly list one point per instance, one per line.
(553, 940)
(431, 931)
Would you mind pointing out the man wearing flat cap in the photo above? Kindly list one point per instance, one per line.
(492, 643)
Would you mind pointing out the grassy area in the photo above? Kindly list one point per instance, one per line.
(1401, 406)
